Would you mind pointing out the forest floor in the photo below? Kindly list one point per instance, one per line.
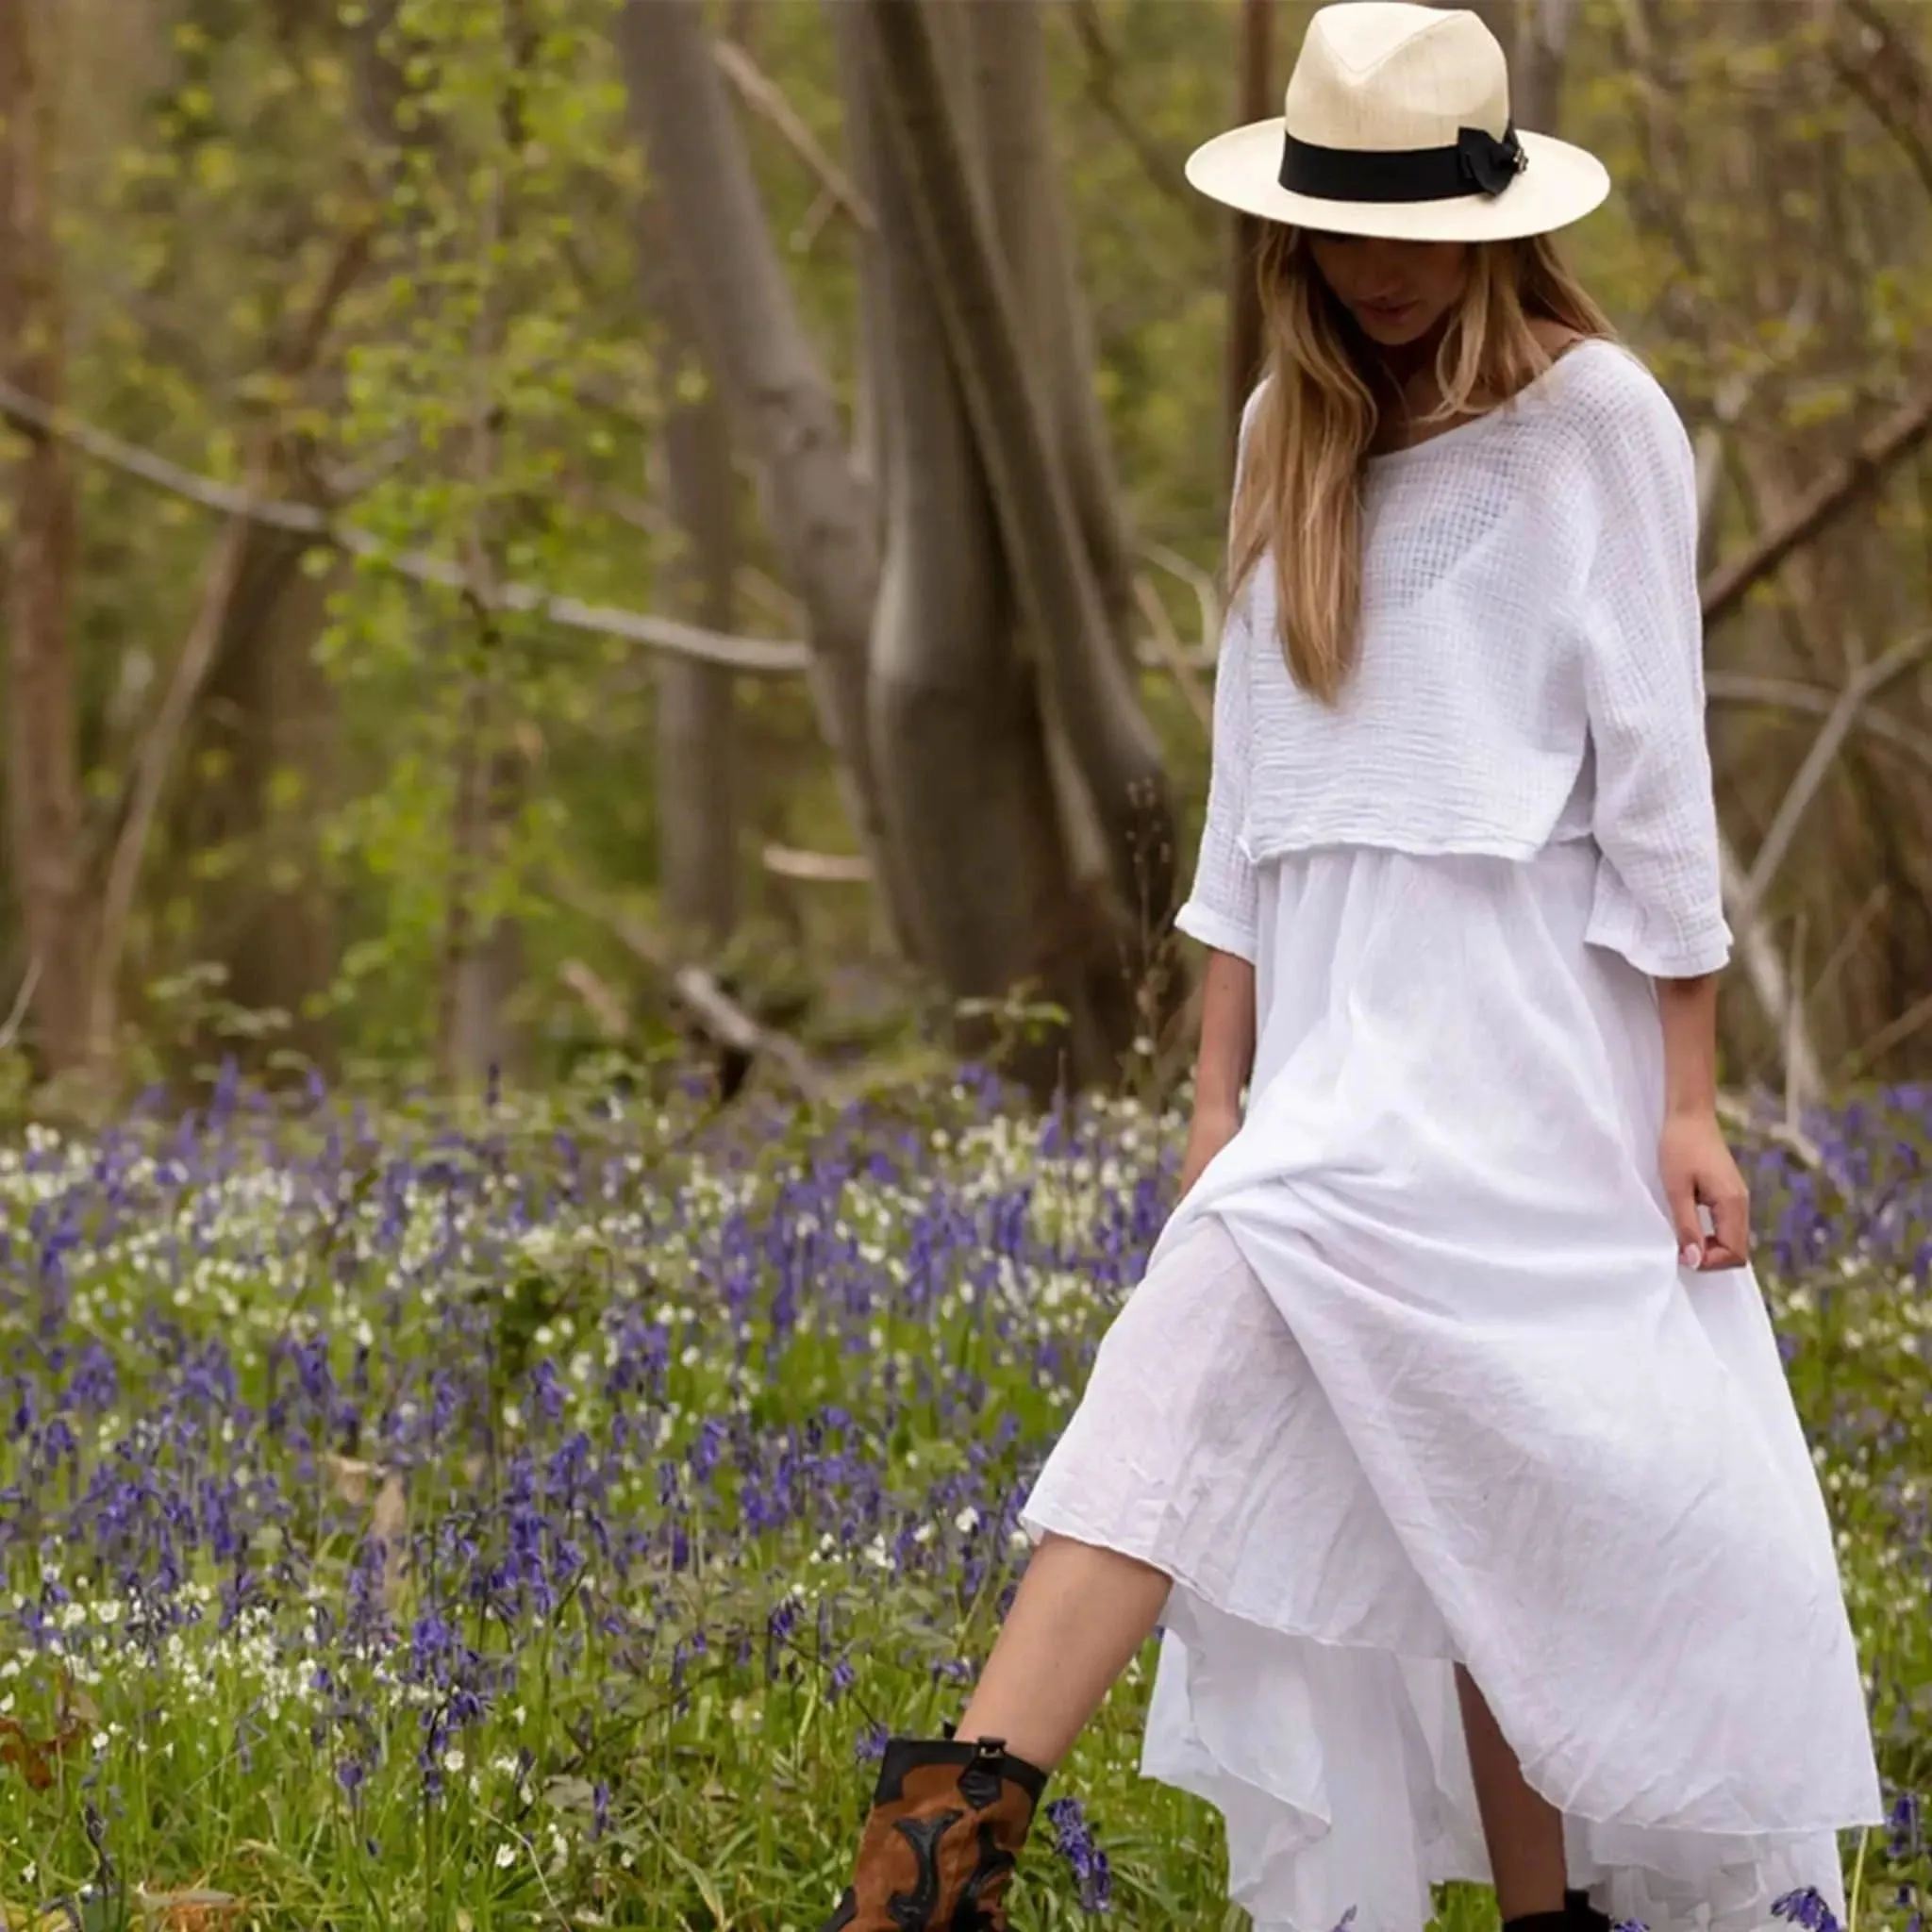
(534, 1517)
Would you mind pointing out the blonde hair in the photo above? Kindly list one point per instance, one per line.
(1299, 490)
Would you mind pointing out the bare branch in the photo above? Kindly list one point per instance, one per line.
(153, 759)
(1788, 694)
(1725, 589)
(1875, 903)
(816, 868)
(1888, 1037)
(1168, 652)
(1164, 171)
(1764, 968)
(721, 1017)
(1810, 775)
(1882, 70)
(23, 1000)
(599, 1001)
(761, 91)
(1205, 595)
(1737, 1115)
(755, 657)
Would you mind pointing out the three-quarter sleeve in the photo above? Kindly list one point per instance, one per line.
(1223, 910)
(1658, 894)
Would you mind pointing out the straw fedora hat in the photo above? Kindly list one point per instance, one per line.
(1397, 124)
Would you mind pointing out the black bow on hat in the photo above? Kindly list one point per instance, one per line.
(1490, 163)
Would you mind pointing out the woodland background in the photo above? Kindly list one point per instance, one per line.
(542, 528)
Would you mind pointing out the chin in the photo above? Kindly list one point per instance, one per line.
(1394, 333)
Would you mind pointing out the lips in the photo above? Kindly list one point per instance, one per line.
(1387, 312)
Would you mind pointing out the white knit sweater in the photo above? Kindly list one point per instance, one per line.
(1531, 670)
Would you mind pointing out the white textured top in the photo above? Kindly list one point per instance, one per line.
(1531, 670)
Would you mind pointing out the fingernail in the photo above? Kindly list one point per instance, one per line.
(1690, 1256)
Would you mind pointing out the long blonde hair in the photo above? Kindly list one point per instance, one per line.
(1299, 490)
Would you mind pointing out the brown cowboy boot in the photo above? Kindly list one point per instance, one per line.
(944, 1832)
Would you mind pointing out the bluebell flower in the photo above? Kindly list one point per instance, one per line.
(1903, 1821)
(1806, 1907)
(1073, 1841)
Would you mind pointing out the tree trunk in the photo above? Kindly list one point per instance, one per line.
(958, 735)
(483, 954)
(43, 754)
(820, 518)
(696, 771)
(1021, 180)
(264, 747)
(697, 733)
(1535, 83)
(1255, 101)
(1087, 687)
(1089, 947)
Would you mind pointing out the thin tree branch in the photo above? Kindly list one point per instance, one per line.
(1810, 775)
(708, 1004)
(23, 1000)
(1796, 1032)
(153, 761)
(1888, 1037)
(1205, 595)
(599, 1001)
(1882, 70)
(290, 357)
(1168, 651)
(760, 90)
(1725, 589)
(816, 868)
(1875, 903)
(755, 657)
(1735, 1112)
(1791, 694)
(1164, 171)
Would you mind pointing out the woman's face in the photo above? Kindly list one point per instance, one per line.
(1397, 290)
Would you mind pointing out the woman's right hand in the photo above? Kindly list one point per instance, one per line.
(1211, 1131)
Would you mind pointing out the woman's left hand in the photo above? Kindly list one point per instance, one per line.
(1697, 1167)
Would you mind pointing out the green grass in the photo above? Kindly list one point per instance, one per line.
(521, 1522)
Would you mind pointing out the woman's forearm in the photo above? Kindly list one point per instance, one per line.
(1689, 1009)
(1227, 1034)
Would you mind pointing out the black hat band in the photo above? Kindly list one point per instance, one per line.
(1479, 163)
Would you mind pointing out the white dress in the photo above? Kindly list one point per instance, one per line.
(1414, 1376)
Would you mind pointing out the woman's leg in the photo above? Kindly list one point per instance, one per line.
(1523, 1830)
(1077, 1619)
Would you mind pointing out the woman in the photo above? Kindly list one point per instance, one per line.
(1446, 1437)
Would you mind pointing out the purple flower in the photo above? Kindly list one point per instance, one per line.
(1806, 1907)
(1905, 1824)
(1073, 1841)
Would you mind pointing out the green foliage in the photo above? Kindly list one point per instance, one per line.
(487, 387)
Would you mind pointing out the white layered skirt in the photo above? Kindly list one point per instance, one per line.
(1414, 1378)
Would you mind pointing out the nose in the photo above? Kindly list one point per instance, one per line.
(1381, 276)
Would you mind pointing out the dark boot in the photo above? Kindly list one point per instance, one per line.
(1583, 1916)
(944, 1832)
